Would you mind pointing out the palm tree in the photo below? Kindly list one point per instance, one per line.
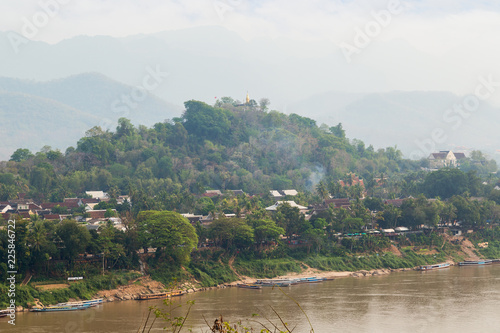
(394, 213)
(322, 190)
(37, 236)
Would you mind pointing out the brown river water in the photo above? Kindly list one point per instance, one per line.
(458, 299)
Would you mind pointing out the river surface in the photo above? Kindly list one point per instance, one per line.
(458, 299)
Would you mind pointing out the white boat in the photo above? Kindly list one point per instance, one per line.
(436, 266)
(92, 302)
(475, 262)
(274, 282)
(312, 279)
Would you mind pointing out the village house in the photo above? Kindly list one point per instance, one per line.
(98, 195)
(212, 193)
(445, 159)
(292, 204)
(281, 194)
(352, 181)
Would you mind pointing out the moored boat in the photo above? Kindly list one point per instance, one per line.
(431, 267)
(143, 297)
(92, 302)
(312, 279)
(60, 308)
(475, 262)
(4, 313)
(249, 286)
(274, 282)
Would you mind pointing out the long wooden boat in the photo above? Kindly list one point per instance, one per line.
(60, 308)
(274, 282)
(431, 267)
(92, 302)
(249, 285)
(475, 262)
(166, 294)
(312, 279)
(4, 313)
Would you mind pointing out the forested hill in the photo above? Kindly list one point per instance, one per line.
(223, 147)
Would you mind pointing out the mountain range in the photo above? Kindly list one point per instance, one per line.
(93, 79)
(59, 112)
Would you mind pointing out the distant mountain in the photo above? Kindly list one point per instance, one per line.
(31, 122)
(58, 112)
(407, 119)
(206, 63)
(203, 63)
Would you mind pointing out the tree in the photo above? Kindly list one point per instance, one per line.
(231, 233)
(390, 216)
(315, 238)
(170, 233)
(445, 183)
(373, 204)
(340, 215)
(21, 155)
(204, 206)
(74, 239)
(338, 131)
(322, 190)
(108, 243)
(264, 103)
(290, 219)
(206, 122)
(125, 127)
(468, 212)
(109, 213)
(266, 230)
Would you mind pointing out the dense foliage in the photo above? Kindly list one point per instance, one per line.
(224, 147)
(166, 169)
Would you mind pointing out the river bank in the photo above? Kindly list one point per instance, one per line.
(146, 285)
(410, 301)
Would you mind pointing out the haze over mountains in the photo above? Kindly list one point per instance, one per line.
(59, 112)
(83, 75)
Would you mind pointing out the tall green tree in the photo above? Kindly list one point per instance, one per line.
(75, 239)
(169, 232)
(231, 233)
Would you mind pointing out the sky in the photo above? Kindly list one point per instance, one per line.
(433, 25)
(371, 45)
(461, 35)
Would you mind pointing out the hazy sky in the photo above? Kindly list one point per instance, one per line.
(458, 36)
(337, 45)
(432, 25)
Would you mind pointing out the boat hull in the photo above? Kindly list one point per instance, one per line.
(248, 286)
(144, 297)
(60, 308)
(433, 267)
(475, 262)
